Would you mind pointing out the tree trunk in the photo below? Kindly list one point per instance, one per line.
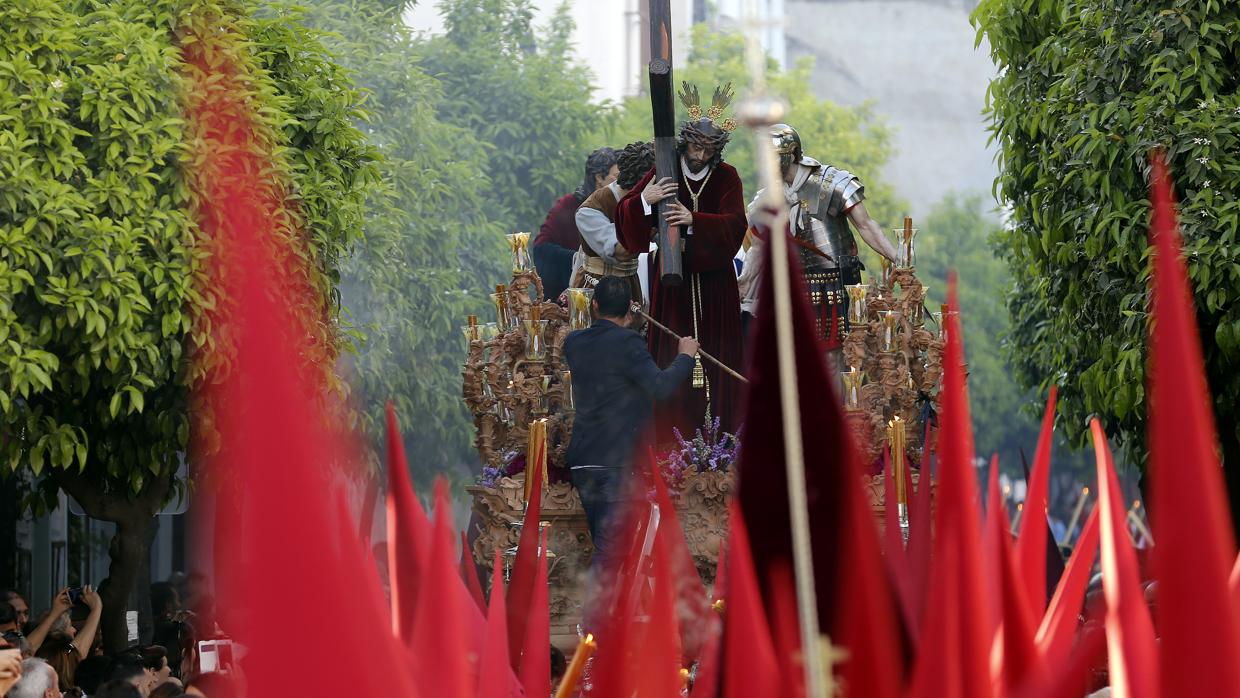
(1231, 471)
(127, 550)
(130, 546)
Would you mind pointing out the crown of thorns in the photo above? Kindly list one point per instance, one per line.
(707, 129)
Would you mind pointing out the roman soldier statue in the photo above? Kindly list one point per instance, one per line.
(822, 200)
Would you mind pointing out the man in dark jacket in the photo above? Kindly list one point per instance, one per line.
(615, 383)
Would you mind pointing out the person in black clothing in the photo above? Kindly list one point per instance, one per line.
(615, 383)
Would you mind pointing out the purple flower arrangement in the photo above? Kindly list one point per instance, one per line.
(490, 476)
(711, 449)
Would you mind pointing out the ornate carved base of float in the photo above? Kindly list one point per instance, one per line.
(701, 506)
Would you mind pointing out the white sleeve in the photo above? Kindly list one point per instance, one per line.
(598, 232)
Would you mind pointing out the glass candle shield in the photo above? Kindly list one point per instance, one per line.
(905, 252)
(890, 324)
(579, 307)
(852, 380)
(856, 304)
(519, 245)
(535, 340)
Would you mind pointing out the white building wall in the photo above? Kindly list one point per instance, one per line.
(770, 15)
(608, 37)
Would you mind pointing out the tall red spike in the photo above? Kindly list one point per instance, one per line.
(893, 542)
(1195, 544)
(856, 604)
(440, 648)
(995, 532)
(1019, 664)
(749, 661)
(1133, 657)
(657, 659)
(536, 653)
(1058, 629)
(697, 623)
(706, 684)
(469, 574)
(524, 568)
(408, 533)
(494, 675)
(1031, 543)
(282, 451)
(957, 539)
(920, 541)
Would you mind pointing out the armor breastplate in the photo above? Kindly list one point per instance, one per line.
(822, 215)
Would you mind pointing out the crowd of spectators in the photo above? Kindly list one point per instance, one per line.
(61, 653)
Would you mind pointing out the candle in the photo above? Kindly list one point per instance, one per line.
(1135, 518)
(500, 298)
(566, 380)
(1020, 509)
(536, 312)
(572, 676)
(896, 432)
(533, 456)
(1076, 513)
(543, 456)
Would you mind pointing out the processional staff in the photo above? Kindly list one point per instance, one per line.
(759, 112)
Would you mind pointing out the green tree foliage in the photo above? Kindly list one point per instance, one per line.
(99, 250)
(517, 88)
(432, 245)
(852, 138)
(1085, 89)
(956, 236)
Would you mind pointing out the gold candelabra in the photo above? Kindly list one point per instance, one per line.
(893, 361)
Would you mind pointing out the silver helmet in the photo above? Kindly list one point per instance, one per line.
(787, 144)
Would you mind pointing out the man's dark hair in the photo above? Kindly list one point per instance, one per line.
(558, 665)
(613, 296)
(127, 666)
(634, 162)
(117, 688)
(163, 596)
(599, 163)
(8, 614)
(92, 672)
(153, 657)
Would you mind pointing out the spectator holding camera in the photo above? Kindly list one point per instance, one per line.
(55, 621)
(62, 651)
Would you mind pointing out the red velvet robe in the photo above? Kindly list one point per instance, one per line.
(718, 228)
